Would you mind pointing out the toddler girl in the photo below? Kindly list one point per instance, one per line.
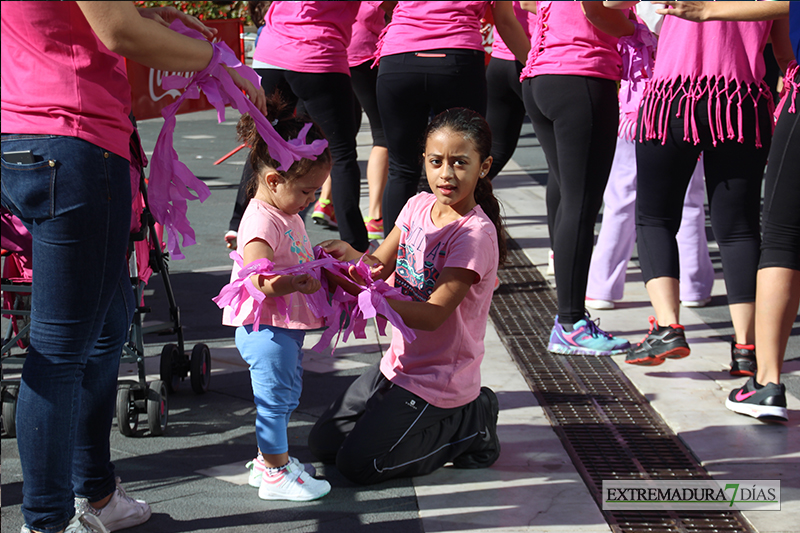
(269, 334)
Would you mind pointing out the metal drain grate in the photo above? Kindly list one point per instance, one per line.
(608, 428)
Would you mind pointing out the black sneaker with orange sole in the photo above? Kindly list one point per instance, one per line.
(743, 359)
(661, 342)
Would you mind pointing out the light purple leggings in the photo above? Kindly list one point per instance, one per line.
(618, 234)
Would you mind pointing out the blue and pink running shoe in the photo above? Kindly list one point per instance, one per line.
(586, 338)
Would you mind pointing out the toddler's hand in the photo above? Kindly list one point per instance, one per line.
(305, 284)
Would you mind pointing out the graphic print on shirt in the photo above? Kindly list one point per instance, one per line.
(414, 279)
(301, 249)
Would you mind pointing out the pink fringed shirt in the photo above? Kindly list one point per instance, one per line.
(721, 60)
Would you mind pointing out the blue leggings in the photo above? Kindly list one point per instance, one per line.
(275, 356)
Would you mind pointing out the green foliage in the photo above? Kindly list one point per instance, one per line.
(207, 10)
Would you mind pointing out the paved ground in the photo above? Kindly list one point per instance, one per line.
(194, 478)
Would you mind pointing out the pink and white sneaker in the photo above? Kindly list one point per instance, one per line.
(292, 483)
(257, 469)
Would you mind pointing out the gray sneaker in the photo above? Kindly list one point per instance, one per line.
(120, 512)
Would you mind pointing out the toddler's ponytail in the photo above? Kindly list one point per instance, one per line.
(288, 126)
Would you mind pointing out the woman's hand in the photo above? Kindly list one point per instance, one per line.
(166, 15)
(705, 11)
(694, 11)
(255, 94)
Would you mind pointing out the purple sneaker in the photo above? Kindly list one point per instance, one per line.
(586, 338)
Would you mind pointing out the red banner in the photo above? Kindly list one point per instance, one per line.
(149, 98)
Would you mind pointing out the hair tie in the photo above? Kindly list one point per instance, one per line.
(274, 122)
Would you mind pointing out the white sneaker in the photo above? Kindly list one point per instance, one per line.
(257, 468)
(120, 512)
(80, 523)
(600, 305)
(694, 304)
(292, 483)
(86, 523)
(551, 265)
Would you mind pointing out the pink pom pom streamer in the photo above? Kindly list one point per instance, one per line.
(343, 314)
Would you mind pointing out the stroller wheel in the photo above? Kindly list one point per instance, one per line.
(10, 394)
(170, 356)
(157, 407)
(200, 368)
(127, 415)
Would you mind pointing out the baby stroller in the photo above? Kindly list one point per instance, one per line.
(16, 283)
(145, 256)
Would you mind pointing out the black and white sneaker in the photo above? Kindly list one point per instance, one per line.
(765, 402)
(660, 343)
(486, 448)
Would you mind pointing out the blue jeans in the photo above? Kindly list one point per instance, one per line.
(275, 356)
(76, 202)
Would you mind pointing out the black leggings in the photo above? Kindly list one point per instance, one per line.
(505, 110)
(410, 88)
(780, 245)
(328, 100)
(365, 80)
(575, 119)
(377, 431)
(733, 172)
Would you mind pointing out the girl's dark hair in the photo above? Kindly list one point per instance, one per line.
(474, 128)
(288, 126)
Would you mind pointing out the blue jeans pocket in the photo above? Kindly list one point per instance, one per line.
(28, 188)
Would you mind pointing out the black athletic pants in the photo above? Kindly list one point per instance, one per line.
(365, 81)
(575, 119)
(377, 431)
(411, 87)
(733, 172)
(780, 245)
(505, 110)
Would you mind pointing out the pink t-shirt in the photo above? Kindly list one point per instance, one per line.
(418, 26)
(499, 48)
(59, 79)
(726, 58)
(286, 235)
(443, 366)
(563, 41)
(307, 36)
(369, 24)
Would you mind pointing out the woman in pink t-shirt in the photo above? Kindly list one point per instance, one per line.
(369, 24)
(423, 405)
(707, 98)
(569, 85)
(65, 106)
(505, 110)
(431, 59)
